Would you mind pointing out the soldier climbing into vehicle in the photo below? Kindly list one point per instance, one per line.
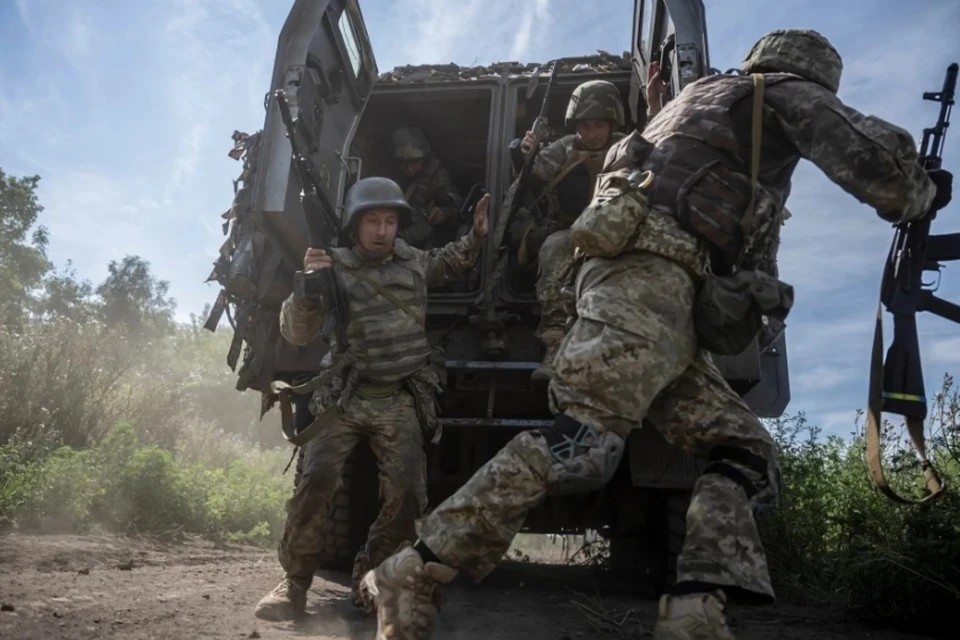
(382, 385)
(652, 307)
(428, 188)
(568, 169)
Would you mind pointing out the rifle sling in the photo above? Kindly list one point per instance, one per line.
(914, 427)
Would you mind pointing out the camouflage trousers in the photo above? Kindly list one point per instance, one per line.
(392, 428)
(555, 255)
(631, 355)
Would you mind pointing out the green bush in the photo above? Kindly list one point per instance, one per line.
(126, 487)
(838, 541)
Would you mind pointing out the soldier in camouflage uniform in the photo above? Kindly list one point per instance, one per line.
(633, 352)
(393, 402)
(567, 169)
(428, 188)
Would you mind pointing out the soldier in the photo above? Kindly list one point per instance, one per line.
(394, 400)
(568, 169)
(428, 189)
(633, 352)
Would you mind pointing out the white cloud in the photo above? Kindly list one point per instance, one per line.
(534, 17)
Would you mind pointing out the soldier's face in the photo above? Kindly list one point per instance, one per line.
(410, 168)
(377, 229)
(594, 133)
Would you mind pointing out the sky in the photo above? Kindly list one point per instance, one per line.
(125, 109)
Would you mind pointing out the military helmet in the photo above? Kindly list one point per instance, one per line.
(803, 52)
(595, 100)
(376, 193)
(409, 144)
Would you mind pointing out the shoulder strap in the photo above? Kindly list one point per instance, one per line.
(756, 137)
(933, 479)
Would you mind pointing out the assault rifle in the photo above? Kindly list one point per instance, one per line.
(896, 384)
(323, 232)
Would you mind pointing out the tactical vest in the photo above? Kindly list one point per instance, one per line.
(394, 344)
(701, 162)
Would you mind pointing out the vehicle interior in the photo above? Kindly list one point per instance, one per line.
(521, 283)
(456, 123)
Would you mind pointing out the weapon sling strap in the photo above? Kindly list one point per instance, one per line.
(756, 138)
(934, 482)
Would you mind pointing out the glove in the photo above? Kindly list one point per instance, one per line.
(944, 182)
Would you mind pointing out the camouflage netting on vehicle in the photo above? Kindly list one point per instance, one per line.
(601, 62)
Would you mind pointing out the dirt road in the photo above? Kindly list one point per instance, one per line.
(110, 587)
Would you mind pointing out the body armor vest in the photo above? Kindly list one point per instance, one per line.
(699, 153)
(394, 344)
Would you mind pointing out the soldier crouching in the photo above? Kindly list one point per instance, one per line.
(388, 396)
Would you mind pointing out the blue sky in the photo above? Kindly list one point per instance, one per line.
(126, 109)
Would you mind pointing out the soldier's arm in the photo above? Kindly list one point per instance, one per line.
(301, 319)
(552, 159)
(872, 160)
(450, 261)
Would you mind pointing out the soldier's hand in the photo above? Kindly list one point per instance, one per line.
(316, 259)
(527, 143)
(656, 88)
(436, 215)
(480, 226)
(944, 183)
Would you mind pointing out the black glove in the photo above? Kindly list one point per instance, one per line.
(944, 181)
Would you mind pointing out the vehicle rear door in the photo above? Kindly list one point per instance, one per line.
(674, 33)
(326, 69)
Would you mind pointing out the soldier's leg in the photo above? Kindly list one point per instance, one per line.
(553, 258)
(307, 512)
(628, 355)
(722, 551)
(395, 437)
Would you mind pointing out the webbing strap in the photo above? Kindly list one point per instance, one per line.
(914, 427)
(756, 137)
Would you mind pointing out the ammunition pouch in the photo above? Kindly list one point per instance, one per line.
(609, 226)
(712, 203)
(730, 311)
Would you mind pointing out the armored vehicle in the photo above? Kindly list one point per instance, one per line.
(346, 111)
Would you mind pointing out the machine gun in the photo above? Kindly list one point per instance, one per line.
(323, 232)
(896, 384)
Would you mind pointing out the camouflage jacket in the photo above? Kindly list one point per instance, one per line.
(432, 187)
(393, 341)
(873, 160)
(552, 164)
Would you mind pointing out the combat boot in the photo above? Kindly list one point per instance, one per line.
(695, 616)
(287, 601)
(551, 340)
(406, 595)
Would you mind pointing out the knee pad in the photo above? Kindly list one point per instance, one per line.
(738, 465)
(585, 458)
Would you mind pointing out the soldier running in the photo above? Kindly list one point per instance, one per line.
(634, 352)
(393, 404)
